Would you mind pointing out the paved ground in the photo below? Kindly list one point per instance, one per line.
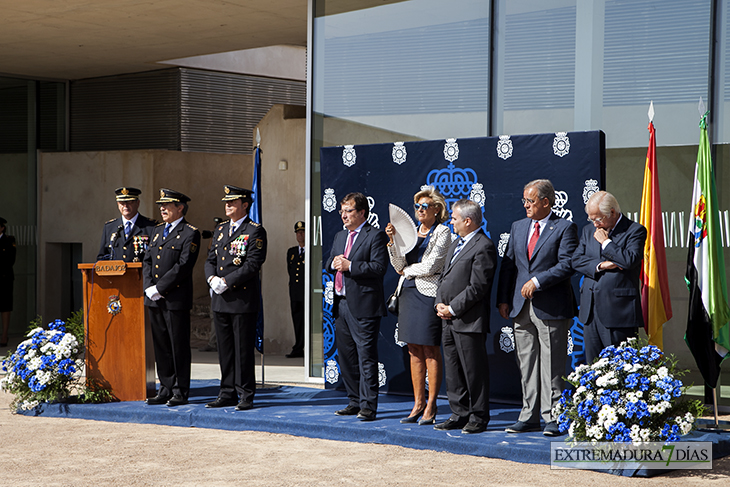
(52, 451)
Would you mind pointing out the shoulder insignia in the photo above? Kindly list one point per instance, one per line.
(259, 243)
(220, 237)
(255, 224)
(110, 220)
(160, 224)
(194, 228)
(155, 239)
(193, 248)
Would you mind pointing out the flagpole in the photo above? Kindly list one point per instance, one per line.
(258, 195)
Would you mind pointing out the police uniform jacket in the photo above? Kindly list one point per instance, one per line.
(168, 264)
(295, 267)
(239, 264)
(7, 257)
(123, 248)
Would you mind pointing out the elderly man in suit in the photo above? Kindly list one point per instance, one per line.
(168, 284)
(462, 302)
(127, 237)
(232, 270)
(609, 255)
(359, 258)
(534, 291)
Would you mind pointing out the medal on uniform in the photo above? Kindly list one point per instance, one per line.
(238, 249)
(140, 245)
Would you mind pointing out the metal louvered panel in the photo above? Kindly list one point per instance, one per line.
(13, 119)
(138, 111)
(218, 111)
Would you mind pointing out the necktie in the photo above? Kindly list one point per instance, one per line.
(128, 230)
(338, 276)
(232, 230)
(458, 248)
(166, 232)
(533, 240)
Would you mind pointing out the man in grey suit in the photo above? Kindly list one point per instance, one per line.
(462, 302)
(534, 291)
(609, 255)
(359, 258)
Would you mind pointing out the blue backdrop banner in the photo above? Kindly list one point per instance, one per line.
(491, 171)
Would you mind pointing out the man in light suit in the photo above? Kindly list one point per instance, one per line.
(168, 283)
(237, 252)
(609, 255)
(534, 291)
(462, 302)
(359, 258)
(127, 237)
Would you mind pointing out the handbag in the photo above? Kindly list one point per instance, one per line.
(392, 302)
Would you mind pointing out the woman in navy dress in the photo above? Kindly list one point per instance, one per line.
(418, 324)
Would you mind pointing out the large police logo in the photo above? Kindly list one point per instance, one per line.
(382, 376)
(397, 340)
(348, 155)
(507, 339)
(372, 217)
(570, 343)
(477, 194)
(455, 183)
(332, 371)
(561, 199)
(502, 245)
(561, 144)
(504, 147)
(399, 153)
(590, 188)
(451, 150)
(329, 293)
(329, 202)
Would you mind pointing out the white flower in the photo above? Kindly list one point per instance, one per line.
(654, 378)
(33, 331)
(35, 363)
(662, 372)
(607, 416)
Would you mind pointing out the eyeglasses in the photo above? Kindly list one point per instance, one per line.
(596, 220)
(422, 206)
(347, 211)
(528, 200)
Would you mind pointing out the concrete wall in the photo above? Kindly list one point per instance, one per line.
(76, 197)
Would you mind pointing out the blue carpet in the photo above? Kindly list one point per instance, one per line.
(308, 412)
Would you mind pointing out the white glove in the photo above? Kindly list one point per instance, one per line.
(218, 285)
(152, 293)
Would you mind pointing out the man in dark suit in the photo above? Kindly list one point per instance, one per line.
(127, 237)
(168, 284)
(7, 260)
(359, 258)
(609, 255)
(462, 302)
(237, 251)
(535, 292)
(295, 268)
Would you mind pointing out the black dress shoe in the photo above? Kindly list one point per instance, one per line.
(366, 415)
(176, 400)
(350, 410)
(244, 405)
(154, 401)
(522, 427)
(474, 427)
(222, 402)
(551, 429)
(450, 424)
(414, 418)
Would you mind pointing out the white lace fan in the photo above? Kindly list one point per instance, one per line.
(405, 237)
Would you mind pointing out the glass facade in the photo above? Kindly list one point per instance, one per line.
(421, 69)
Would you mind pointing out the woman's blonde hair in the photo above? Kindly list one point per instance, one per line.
(438, 200)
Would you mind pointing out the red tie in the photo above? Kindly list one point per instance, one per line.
(533, 240)
(338, 276)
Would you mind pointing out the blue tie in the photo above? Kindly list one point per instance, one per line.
(167, 231)
(128, 230)
(458, 248)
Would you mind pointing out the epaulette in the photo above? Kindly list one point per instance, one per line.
(194, 228)
(221, 224)
(255, 224)
(159, 224)
(110, 220)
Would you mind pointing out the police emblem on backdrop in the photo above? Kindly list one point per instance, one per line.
(332, 371)
(507, 339)
(590, 188)
(382, 376)
(477, 194)
(238, 249)
(561, 199)
(348, 155)
(372, 217)
(451, 150)
(329, 201)
(399, 153)
(502, 245)
(504, 147)
(561, 144)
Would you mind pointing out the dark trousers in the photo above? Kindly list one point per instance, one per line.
(467, 374)
(171, 342)
(357, 348)
(236, 334)
(596, 337)
(297, 317)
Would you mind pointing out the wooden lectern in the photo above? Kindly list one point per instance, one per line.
(119, 343)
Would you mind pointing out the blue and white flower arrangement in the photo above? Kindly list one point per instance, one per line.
(43, 367)
(628, 394)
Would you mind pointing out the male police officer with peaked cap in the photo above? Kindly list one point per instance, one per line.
(168, 285)
(232, 270)
(126, 238)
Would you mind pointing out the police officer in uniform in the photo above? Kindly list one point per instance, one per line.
(295, 267)
(168, 284)
(232, 270)
(127, 237)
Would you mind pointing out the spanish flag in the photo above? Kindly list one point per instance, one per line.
(655, 302)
